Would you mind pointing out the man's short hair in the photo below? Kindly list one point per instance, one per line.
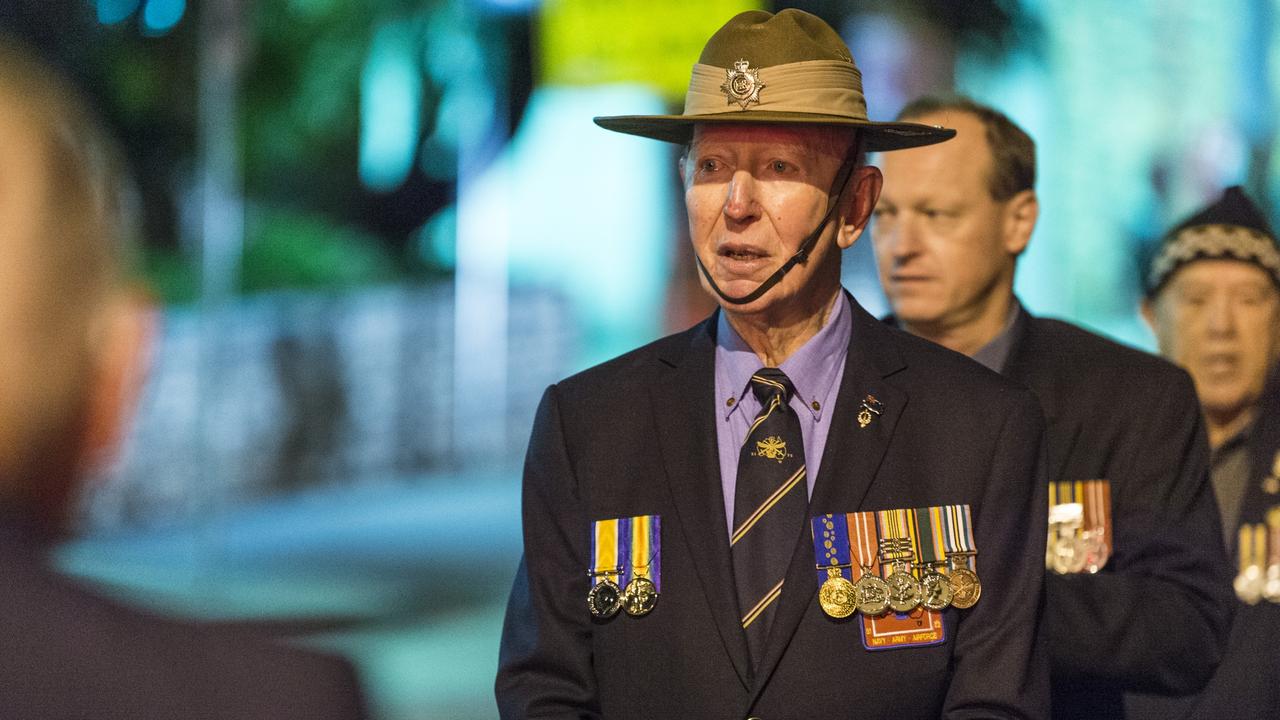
(1013, 152)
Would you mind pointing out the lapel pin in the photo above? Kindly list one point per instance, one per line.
(870, 408)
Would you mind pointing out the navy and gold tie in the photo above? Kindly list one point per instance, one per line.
(769, 505)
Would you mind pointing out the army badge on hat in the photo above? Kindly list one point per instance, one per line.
(742, 84)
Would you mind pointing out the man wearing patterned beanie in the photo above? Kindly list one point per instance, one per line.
(1213, 300)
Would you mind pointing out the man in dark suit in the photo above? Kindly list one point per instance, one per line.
(1138, 601)
(1213, 300)
(72, 333)
(697, 511)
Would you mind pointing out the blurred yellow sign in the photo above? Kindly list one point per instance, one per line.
(655, 42)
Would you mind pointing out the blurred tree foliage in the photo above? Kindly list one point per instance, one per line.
(309, 221)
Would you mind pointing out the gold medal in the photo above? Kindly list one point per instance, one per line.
(836, 596)
(605, 599)
(965, 588)
(904, 591)
(639, 597)
(871, 594)
(1271, 586)
(935, 590)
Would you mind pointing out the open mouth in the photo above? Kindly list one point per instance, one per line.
(739, 252)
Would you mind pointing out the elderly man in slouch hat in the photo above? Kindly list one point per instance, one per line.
(1213, 300)
(1137, 597)
(790, 510)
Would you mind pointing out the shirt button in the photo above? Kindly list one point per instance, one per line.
(729, 402)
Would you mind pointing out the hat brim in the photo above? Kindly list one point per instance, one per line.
(877, 136)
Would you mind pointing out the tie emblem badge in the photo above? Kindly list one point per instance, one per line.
(773, 448)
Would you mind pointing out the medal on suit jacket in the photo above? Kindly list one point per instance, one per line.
(1249, 580)
(898, 553)
(957, 535)
(1079, 526)
(870, 591)
(641, 594)
(1064, 553)
(831, 549)
(604, 599)
(901, 622)
(607, 552)
(1271, 483)
(935, 589)
(1271, 585)
(625, 552)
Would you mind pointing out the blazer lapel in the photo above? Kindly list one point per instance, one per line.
(849, 463)
(684, 402)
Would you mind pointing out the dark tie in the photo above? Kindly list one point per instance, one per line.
(769, 506)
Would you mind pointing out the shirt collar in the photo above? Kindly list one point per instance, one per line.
(812, 369)
(1232, 444)
(996, 352)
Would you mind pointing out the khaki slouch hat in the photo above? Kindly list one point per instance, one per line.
(789, 68)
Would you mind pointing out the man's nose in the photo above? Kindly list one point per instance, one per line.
(740, 203)
(1221, 317)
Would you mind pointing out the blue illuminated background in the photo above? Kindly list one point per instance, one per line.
(379, 229)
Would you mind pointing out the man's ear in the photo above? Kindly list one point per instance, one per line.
(861, 198)
(123, 356)
(1148, 311)
(1021, 212)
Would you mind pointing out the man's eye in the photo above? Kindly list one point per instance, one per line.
(781, 167)
(708, 166)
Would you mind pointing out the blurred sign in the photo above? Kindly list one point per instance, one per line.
(654, 42)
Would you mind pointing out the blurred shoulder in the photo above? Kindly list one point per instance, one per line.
(1058, 343)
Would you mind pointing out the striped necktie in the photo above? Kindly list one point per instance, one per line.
(769, 506)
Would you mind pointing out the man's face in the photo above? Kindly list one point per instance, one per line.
(1220, 320)
(944, 247)
(753, 193)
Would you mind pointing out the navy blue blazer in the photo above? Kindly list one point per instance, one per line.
(637, 436)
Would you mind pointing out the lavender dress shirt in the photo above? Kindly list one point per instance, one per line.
(815, 371)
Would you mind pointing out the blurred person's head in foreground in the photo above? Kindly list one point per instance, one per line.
(1213, 301)
(72, 328)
